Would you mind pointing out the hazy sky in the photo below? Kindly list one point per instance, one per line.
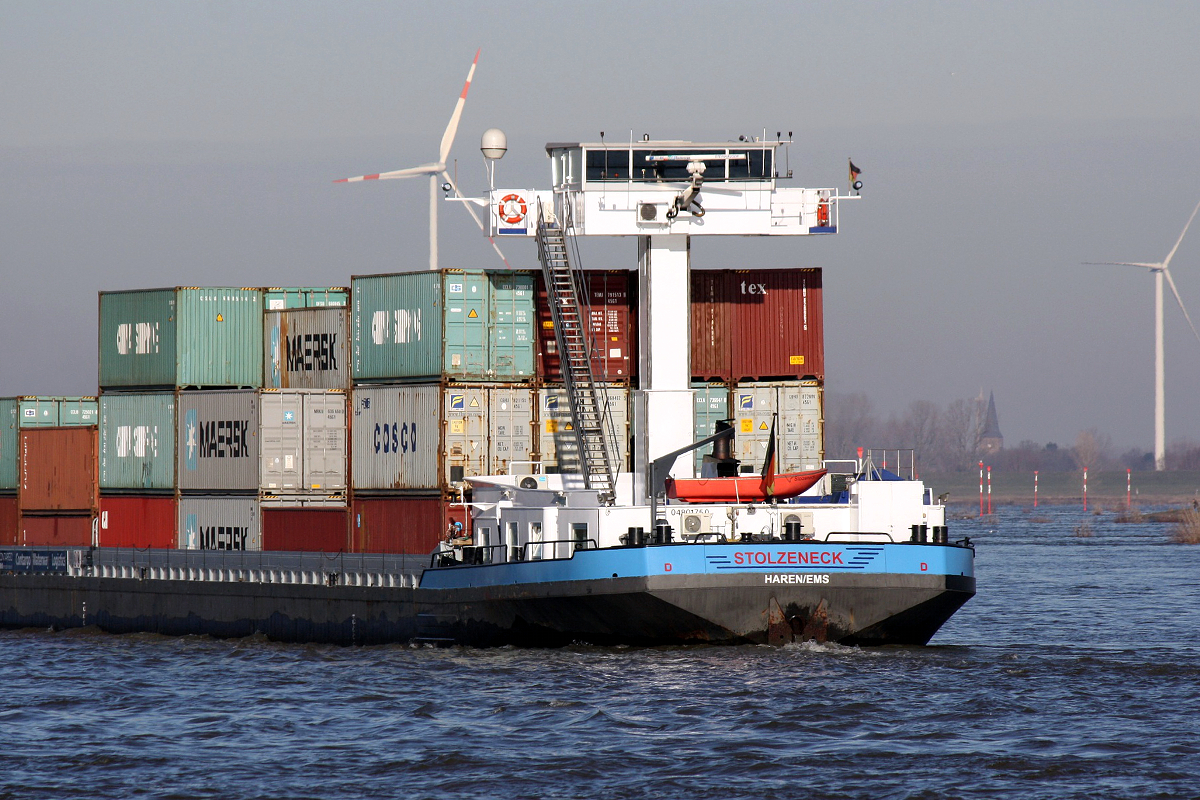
(155, 144)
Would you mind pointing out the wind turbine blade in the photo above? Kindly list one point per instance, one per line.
(1171, 281)
(1122, 264)
(452, 128)
(411, 172)
(1167, 262)
(475, 216)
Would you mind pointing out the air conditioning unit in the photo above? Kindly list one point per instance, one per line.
(693, 524)
(652, 214)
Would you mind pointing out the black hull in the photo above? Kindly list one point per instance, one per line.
(688, 609)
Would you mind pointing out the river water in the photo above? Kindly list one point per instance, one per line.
(1074, 673)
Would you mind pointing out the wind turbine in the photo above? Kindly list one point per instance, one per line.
(1160, 269)
(435, 169)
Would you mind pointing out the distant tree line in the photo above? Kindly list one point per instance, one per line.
(947, 439)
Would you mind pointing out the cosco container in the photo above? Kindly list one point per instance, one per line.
(303, 441)
(305, 349)
(8, 444)
(219, 523)
(277, 297)
(137, 441)
(57, 412)
(10, 521)
(445, 325)
(711, 403)
(308, 530)
(58, 471)
(611, 297)
(800, 440)
(557, 445)
(183, 337)
(407, 525)
(217, 445)
(137, 521)
(763, 324)
(56, 531)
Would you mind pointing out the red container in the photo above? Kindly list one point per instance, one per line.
(10, 521)
(56, 531)
(612, 295)
(138, 522)
(764, 324)
(58, 469)
(412, 525)
(310, 530)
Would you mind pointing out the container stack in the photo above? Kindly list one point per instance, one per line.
(758, 356)
(56, 473)
(10, 519)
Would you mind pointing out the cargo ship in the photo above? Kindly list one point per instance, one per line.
(663, 516)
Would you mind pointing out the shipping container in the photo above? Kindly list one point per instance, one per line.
(308, 530)
(511, 426)
(8, 444)
(406, 525)
(445, 325)
(280, 297)
(57, 412)
(137, 521)
(58, 469)
(612, 324)
(557, 446)
(217, 445)
(10, 521)
(711, 403)
(303, 441)
(306, 349)
(800, 426)
(219, 523)
(763, 324)
(56, 531)
(137, 441)
(182, 337)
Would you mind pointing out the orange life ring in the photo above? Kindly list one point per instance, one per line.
(512, 209)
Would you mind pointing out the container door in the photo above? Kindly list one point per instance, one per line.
(325, 442)
(466, 327)
(466, 429)
(512, 336)
(511, 435)
(755, 405)
(712, 404)
(281, 441)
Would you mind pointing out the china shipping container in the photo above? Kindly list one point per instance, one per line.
(10, 521)
(58, 469)
(303, 441)
(445, 325)
(612, 325)
(557, 445)
(306, 349)
(281, 297)
(711, 403)
(181, 337)
(217, 445)
(309, 530)
(8, 444)
(219, 523)
(800, 440)
(137, 442)
(137, 521)
(405, 525)
(56, 531)
(764, 324)
(57, 412)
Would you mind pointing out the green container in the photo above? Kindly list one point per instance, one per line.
(711, 401)
(512, 336)
(183, 337)
(8, 443)
(137, 441)
(284, 297)
(56, 412)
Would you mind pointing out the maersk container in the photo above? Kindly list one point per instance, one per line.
(303, 441)
(281, 297)
(440, 326)
(217, 445)
(800, 440)
(8, 444)
(612, 325)
(137, 441)
(711, 403)
(557, 445)
(219, 523)
(182, 337)
(511, 427)
(57, 412)
(305, 349)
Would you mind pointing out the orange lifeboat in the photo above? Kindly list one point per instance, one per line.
(741, 490)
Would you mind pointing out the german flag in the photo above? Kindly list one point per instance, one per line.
(768, 473)
(854, 172)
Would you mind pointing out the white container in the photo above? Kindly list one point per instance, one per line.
(396, 437)
(217, 440)
(303, 441)
(800, 431)
(511, 427)
(557, 445)
(219, 523)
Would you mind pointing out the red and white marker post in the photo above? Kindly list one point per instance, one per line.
(1085, 488)
(981, 488)
(1035, 488)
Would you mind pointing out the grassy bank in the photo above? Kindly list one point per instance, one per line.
(1106, 488)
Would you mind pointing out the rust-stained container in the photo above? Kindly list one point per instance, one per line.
(406, 525)
(56, 531)
(612, 323)
(310, 530)
(133, 521)
(763, 324)
(306, 349)
(58, 469)
(10, 521)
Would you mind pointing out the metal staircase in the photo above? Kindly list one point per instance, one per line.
(570, 330)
